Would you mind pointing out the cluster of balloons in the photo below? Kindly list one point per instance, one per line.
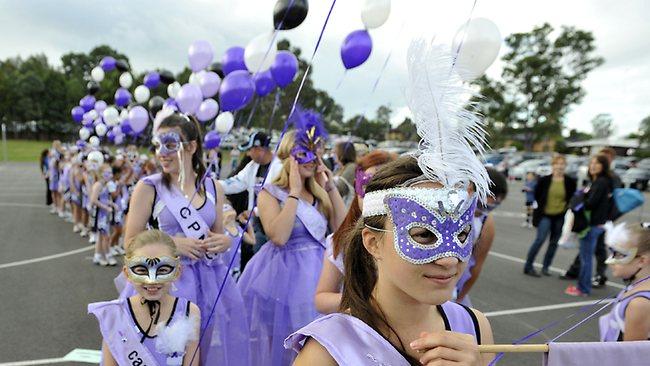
(357, 46)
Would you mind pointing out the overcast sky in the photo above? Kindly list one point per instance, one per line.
(157, 33)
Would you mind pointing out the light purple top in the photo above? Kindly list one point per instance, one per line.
(612, 325)
(329, 254)
(350, 341)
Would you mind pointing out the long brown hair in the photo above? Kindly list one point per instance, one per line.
(190, 131)
(360, 269)
(374, 158)
(603, 160)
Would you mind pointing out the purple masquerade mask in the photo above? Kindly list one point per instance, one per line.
(303, 155)
(167, 143)
(361, 180)
(429, 223)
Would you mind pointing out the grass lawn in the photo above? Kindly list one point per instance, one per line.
(24, 150)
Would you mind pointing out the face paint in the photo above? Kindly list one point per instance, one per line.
(429, 223)
(303, 155)
(167, 143)
(361, 180)
(151, 271)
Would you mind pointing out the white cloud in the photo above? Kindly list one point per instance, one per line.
(157, 34)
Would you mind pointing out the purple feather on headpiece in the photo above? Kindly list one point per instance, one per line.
(310, 130)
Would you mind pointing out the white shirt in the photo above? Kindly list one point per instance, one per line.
(246, 179)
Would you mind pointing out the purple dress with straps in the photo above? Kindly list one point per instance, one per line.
(226, 340)
(352, 342)
(612, 325)
(279, 284)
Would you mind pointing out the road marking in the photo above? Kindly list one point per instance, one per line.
(543, 308)
(46, 258)
(553, 269)
(76, 355)
(17, 204)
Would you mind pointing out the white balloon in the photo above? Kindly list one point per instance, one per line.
(481, 41)
(111, 116)
(96, 157)
(94, 141)
(84, 133)
(141, 94)
(101, 129)
(374, 13)
(124, 114)
(224, 122)
(126, 80)
(194, 78)
(173, 89)
(97, 73)
(257, 55)
(93, 114)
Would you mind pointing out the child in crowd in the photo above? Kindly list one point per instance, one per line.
(529, 191)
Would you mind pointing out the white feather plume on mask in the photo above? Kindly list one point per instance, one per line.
(616, 235)
(450, 133)
(175, 337)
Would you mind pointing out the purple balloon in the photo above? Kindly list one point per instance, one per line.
(122, 97)
(97, 121)
(77, 114)
(200, 55)
(264, 83)
(284, 68)
(152, 80)
(87, 103)
(237, 89)
(117, 130)
(171, 103)
(119, 139)
(125, 127)
(189, 98)
(100, 106)
(81, 144)
(209, 83)
(138, 119)
(356, 48)
(107, 63)
(212, 140)
(110, 135)
(233, 60)
(207, 110)
(89, 123)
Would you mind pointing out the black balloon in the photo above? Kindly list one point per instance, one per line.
(288, 17)
(156, 104)
(122, 65)
(92, 87)
(217, 68)
(167, 77)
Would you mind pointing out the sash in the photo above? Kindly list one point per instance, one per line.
(122, 339)
(312, 219)
(186, 215)
(348, 340)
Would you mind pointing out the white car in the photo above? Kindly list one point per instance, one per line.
(519, 172)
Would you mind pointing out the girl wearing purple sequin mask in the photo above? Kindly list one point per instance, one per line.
(406, 253)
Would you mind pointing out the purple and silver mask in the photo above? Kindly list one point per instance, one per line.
(167, 143)
(361, 180)
(443, 215)
(303, 155)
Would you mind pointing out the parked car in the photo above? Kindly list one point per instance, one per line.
(544, 169)
(636, 178)
(519, 172)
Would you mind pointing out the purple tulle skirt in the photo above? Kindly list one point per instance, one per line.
(278, 286)
(225, 340)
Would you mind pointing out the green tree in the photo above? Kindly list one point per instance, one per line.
(541, 79)
(644, 131)
(602, 125)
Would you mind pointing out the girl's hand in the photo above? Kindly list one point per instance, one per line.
(447, 347)
(216, 243)
(190, 247)
(324, 176)
(295, 180)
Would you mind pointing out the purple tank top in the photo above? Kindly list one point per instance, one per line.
(350, 341)
(612, 325)
(166, 220)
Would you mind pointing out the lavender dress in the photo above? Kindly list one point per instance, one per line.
(117, 318)
(279, 284)
(352, 342)
(612, 325)
(225, 340)
(102, 217)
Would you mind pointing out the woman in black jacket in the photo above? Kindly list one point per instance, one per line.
(552, 195)
(597, 205)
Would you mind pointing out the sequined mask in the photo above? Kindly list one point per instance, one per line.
(157, 270)
(167, 143)
(303, 155)
(429, 223)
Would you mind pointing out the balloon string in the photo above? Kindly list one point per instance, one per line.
(276, 31)
(286, 125)
(250, 116)
(462, 40)
(276, 104)
(200, 183)
(345, 72)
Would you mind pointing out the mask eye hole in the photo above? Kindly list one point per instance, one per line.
(172, 146)
(464, 234)
(423, 236)
(140, 270)
(164, 270)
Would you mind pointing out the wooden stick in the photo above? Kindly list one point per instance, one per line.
(508, 348)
